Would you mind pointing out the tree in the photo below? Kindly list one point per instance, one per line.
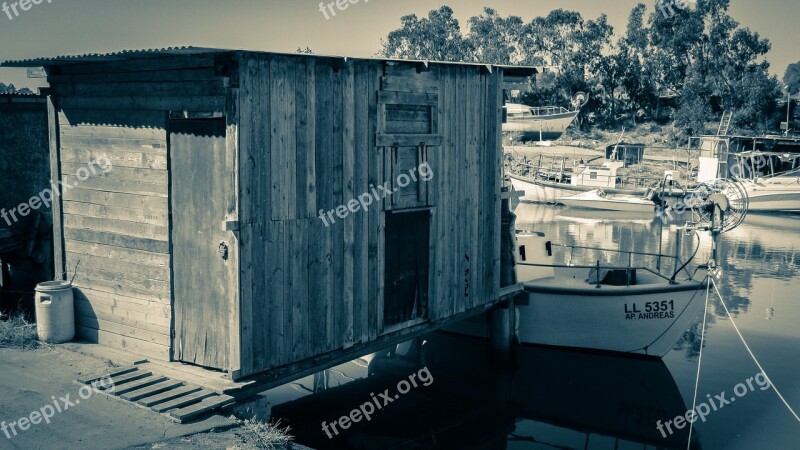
(712, 63)
(700, 55)
(437, 37)
(578, 52)
(673, 43)
(496, 40)
(792, 77)
(633, 59)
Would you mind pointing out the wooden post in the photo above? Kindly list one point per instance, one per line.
(502, 318)
(59, 255)
(501, 331)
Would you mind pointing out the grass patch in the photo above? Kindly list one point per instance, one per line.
(16, 332)
(267, 435)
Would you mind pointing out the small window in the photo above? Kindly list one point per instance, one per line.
(592, 175)
(408, 119)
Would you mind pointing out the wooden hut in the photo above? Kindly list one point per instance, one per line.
(231, 231)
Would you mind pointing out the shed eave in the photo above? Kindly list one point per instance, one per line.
(516, 71)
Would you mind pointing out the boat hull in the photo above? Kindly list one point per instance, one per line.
(546, 128)
(760, 201)
(592, 201)
(541, 191)
(608, 206)
(634, 320)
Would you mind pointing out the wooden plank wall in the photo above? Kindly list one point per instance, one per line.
(308, 130)
(466, 184)
(116, 223)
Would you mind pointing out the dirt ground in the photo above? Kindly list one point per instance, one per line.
(29, 380)
(233, 439)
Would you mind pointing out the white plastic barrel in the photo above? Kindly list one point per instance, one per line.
(55, 318)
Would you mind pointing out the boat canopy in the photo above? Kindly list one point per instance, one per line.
(783, 156)
(519, 110)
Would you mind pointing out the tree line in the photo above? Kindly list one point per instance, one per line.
(11, 89)
(686, 67)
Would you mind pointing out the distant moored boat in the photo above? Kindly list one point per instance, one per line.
(544, 123)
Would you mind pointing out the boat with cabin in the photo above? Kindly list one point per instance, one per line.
(537, 123)
(545, 185)
(547, 179)
(630, 308)
(767, 166)
(775, 187)
(624, 309)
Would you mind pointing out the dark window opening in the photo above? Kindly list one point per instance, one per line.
(406, 277)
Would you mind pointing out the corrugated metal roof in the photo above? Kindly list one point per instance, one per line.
(113, 56)
(20, 95)
(153, 53)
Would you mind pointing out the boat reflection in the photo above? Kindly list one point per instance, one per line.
(552, 397)
(599, 217)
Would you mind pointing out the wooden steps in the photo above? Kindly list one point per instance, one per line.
(178, 400)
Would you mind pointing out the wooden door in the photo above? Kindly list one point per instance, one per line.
(199, 242)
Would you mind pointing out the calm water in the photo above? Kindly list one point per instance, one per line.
(565, 400)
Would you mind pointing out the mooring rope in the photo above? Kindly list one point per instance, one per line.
(775, 388)
(708, 281)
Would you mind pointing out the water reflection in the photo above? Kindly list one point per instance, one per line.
(559, 399)
(763, 247)
(552, 399)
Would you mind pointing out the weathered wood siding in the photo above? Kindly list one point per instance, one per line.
(115, 224)
(304, 134)
(316, 133)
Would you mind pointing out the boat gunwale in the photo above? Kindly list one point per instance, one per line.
(605, 290)
(573, 188)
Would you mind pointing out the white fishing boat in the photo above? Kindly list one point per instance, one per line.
(771, 178)
(633, 310)
(548, 187)
(542, 123)
(598, 199)
(776, 194)
(540, 191)
(622, 309)
(628, 310)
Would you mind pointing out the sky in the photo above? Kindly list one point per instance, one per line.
(59, 27)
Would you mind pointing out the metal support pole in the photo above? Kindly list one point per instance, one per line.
(678, 238)
(597, 274)
(628, 272)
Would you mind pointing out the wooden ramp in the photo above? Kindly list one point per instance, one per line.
(178, 400)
